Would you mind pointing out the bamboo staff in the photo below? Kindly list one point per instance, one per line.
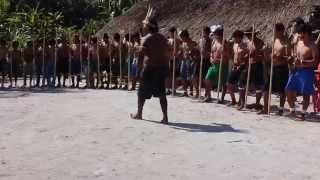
(88, 73)
(220, 67)
(81, 60)
(70, 58)
(249, 67)
(129, 58)
(271, 70)
(202, 44)
(110, 62)
(55, 58)
(43, 57)
(98, 58)
(174, 64)
(120, 57)
(10, 57)
(34, 68)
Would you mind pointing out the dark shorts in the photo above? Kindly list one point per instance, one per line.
(195, 69)
(177, 68)
(93, 66)
(3, 65)
(279, 79)
(256, 76)
(75, 66)
(104, 66)
(115, 68)
(185, 69)
(236, 74)
(63, 66)
(153, 82)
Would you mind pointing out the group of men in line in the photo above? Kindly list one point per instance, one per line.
(224, 65)
(51, 63)
(213, 63)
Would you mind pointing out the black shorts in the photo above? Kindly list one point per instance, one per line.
(177, 68)
(256, 76)
(115, 68)
(152, 83)
(195, 69)
(3, 65)
(279, 79)
(236, 74)
(75, 66)
(205, 67)
(63, 66)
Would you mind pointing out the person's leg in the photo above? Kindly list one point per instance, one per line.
(224, 92)
(141, 102)
(242, 97)
(305, 105)
(208, 88)
(291, 97)
(164, 108)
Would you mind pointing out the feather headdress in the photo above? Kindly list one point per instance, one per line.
(150, 19)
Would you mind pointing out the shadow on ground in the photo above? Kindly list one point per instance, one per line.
(25, 92)
(214, 128)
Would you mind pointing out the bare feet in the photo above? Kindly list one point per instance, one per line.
(262, 112)
(136, 117)
(232, 104)
(165, 120)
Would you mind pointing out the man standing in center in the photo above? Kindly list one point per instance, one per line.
(155, 49)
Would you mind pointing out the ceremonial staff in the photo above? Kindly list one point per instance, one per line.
(220, 67)
(271, 70)
(98, 58)
(202, 44)
(249, 67)
(174, 64)
(129, 57)
(70, 57)
(55, 58)
(110, 61)
(120, 56)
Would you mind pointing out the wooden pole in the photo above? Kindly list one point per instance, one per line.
(110, 62)
(70, 57)
(220, 68)
(202, 44)
(249, 68)
(174, 64)
(55, 58)
(271, 71)
(129, 58)
(98, 58)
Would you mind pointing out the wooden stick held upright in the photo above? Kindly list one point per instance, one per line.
(249, 67)
(174, 64)
(55, 57)
(110, 62)
(129, 58)
(98, 58)
(271, 71)
(220, 68)
(202, 44)
(70, 57)
(120, 57)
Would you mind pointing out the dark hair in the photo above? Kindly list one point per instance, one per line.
(153, 26)
(105, 36)
(218, 32)
(184, 34)
(173, 29)
(280, 27)
(52, 42)
(116, 36)
(304, 28)
(237, 33)
(29, 43)
(94, 39)
(206, 29)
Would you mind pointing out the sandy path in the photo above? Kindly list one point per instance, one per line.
(87, 134)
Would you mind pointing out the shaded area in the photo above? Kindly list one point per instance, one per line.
(25, 92)
(214, 128)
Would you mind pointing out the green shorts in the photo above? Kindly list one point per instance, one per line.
(213, 74)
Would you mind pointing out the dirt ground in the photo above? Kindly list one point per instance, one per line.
(87, 134)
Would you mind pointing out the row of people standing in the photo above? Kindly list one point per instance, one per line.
(104, 63)
(245, 63)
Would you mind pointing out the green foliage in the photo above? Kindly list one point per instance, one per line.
(25, 20)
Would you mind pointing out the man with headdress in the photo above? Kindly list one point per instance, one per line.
(155, 49)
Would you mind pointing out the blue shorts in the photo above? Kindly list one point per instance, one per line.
(185, 69)
(134, 69)
(302, 81)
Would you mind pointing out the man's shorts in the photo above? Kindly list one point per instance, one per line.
(152, 83)
(256, 76)
(301, 80)
(213, 74)
(279, 79)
